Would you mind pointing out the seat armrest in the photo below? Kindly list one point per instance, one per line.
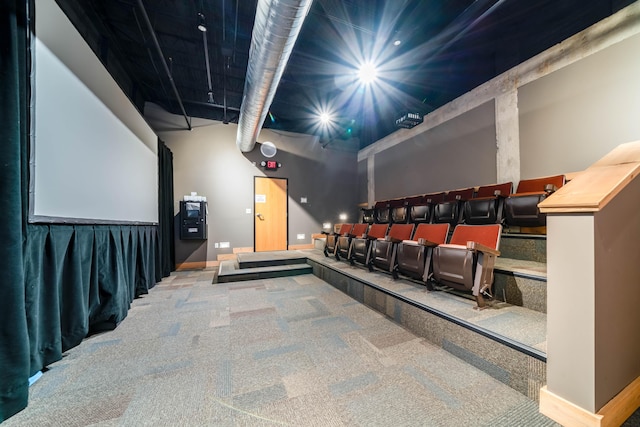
(393, 239)
(326, 233)
(428, 243)
(475, 246)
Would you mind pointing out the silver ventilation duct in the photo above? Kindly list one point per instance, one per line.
(275, 31)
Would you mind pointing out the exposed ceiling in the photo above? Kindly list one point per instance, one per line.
(447, 48)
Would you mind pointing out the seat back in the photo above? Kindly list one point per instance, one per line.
(521, 208)
(381, 212)
(359, 229)
(414, 260)
(383, 253)
(368, 215)
(436, 233)
(486, 207)
(537, 185)
(332, 239)
(401, 231)
(418, 209)
(398, 211)
(345, 229)
(450, 210)
(377, 231)
(494, 190)
(487, 235)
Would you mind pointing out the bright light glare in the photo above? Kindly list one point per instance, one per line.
(325, 118)
(367, 73)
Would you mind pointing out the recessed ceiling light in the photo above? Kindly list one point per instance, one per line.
(325, 118)
(397, 42)
(367, 73)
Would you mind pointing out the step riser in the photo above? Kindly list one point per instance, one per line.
(243, 276)
(517, 369)
(525, 248)
(521, 291)
(271, 263)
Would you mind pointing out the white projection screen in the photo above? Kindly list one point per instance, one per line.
(87, 165)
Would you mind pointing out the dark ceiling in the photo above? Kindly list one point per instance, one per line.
(448, 48)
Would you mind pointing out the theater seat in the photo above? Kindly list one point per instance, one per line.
(449, 210)
(344, 242)
(330, 244)
(359, 249)
(487, 205)
(398, 211)
(381, 212)
(383, 250)
(368, 215)
(420, 208)
(466, 262)
(414, 256)
(521, 208)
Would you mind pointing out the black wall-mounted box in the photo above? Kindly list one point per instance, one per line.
(193, 220)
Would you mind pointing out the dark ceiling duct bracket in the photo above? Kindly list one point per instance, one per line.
(164, 62)
(276, 28)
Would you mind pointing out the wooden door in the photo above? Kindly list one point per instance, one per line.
(270, 208)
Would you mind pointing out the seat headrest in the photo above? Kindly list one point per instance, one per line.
(487, 235)
(436, 233)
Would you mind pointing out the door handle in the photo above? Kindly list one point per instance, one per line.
(260, 217)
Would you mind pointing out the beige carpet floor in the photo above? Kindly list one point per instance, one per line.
(289, 351)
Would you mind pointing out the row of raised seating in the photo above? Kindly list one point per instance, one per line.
(409, 236)
(420, 251)
(488, 204)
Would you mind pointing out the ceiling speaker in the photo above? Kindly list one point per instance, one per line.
(268, 149)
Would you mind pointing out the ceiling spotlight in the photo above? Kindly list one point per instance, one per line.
(367, 73)
(325, 118)
(397, 42)
(210, 97)
(202, 25)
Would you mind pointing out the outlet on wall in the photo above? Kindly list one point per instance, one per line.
(224, 245)
(300, 236)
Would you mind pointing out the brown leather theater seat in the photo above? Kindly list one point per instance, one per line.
(466, 262)
(330, 244)
(487, 206)
(521, 208)
(383, 250)
(449, 211)
(414, 256)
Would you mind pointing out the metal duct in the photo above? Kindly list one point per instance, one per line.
(275, 31)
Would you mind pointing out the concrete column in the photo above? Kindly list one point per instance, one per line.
(371, 182)
(507, 137)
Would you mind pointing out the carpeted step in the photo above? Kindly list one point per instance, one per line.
(228, 273)
(522, 283)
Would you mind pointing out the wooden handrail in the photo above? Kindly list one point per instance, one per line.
(593, 188)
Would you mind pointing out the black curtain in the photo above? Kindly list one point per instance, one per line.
(58, 282)
(14, 127)
(165, 209)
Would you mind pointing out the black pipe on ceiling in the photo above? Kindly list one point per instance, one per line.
(164, 62)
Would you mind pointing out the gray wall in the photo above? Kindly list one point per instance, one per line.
(573, 116)
(456, 154)
(207, 161)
